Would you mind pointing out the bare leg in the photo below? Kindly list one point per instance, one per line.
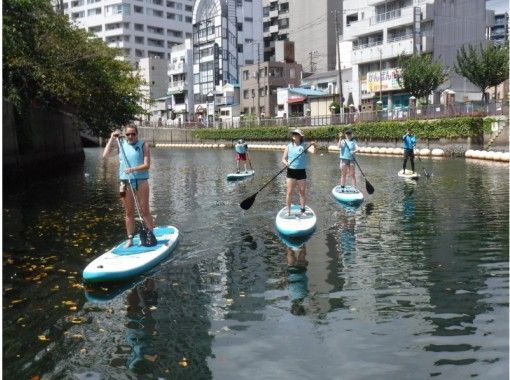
(238, 165)
(352, 169)
(291, 183)
(143, 199)
(302, 192)
(129, 211)
(344, 174)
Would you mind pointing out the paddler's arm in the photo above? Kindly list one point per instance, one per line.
(285, 156)
(111, 148)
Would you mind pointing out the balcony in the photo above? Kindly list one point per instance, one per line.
(373, 53)
(273, 29)
(177, 87)
(273, 13)
(176, 68)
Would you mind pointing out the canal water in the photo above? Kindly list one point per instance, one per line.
(413, 284)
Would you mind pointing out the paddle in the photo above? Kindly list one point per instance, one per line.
(147, 237)
(368, 185)
(248, 202)
(428, 175)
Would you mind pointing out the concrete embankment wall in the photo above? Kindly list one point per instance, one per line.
(39, 144)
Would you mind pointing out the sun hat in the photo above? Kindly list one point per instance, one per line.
(241, 141)
(299, 132)
(349, 131)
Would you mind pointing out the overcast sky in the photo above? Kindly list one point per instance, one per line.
(500, 6)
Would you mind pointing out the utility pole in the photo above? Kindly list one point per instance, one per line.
(313, 54)
(258, 80)
(339, 73)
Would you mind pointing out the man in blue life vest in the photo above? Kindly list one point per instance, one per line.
(241, 149)
(409, 143)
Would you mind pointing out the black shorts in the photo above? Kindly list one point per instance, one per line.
(296, 173)
(408, 153)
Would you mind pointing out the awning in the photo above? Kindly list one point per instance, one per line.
(297, 99)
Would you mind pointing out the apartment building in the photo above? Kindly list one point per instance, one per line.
(381, 30)
(309, 24)
(259, 84)
(148, 28)
(180, 76)
(225, 37)
(497, 29)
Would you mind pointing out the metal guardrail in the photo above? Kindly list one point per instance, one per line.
(398, 113)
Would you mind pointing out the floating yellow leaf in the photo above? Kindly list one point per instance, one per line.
(76, 285)
(183, 362)
(10, 261)
(55, 288)
(77, 320)
(83, 350)
(69, 303)
(77, 336)
(152, 308)
(43, 338)
(62, 270)
(15, 302)
(73, 308)
(35, 377)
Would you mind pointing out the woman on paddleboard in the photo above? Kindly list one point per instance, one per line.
(294, 158)
(348, 148)
(241, 149)
(409, 144)
(134, 172)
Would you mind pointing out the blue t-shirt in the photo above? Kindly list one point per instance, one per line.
(293, 152)
(346, 149)
(241, 148)
(409, 141)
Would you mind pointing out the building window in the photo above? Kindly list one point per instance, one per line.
(239, 27)
(246, 74)
(246, 94)
(239, 48)
(139, 27)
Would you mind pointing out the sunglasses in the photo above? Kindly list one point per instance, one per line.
(130, 134)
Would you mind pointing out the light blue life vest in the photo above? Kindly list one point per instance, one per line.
(293, 152)
(241, 148)
(347, 147)
(134, 156)
(409, 141)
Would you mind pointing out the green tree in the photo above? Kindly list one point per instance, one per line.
(51, 62)
(420, 75)
(484, 67)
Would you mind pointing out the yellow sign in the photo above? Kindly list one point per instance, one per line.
(387, 79)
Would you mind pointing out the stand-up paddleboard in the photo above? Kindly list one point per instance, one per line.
(297, 223)
(408, 174)
(121, 263)
(348, 195)
(240, 175)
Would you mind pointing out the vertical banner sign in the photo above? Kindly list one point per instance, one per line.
(216, 64)
(417, 31)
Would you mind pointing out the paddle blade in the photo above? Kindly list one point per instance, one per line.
(370, 188)
(248, 202)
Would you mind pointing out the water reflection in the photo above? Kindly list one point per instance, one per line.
(297, 279)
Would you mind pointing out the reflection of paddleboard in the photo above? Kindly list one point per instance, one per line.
(296, 224)
(121, 263)
(408, 174)
(294, 242)
(101, 293)
(240, 175)
(348, 195)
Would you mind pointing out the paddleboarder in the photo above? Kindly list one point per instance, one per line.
(295, 159)
(409, 144)
(134, 172)
(348, 148)
(241, 149)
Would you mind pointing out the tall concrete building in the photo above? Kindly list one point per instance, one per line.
(381, 30)
(140, 28)
(309, 24)
(497, 29)
(225, 37)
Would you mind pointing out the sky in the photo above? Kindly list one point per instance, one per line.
(500, 6)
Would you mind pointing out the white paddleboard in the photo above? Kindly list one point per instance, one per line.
(121, 263)
(408, 174)
(348, 195)
(240, 175)
(296, 224)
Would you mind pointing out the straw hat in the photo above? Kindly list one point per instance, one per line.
(298, 132)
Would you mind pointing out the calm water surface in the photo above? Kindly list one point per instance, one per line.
(411, 285)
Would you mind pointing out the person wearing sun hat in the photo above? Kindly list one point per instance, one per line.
(295, 159)
(348, 148)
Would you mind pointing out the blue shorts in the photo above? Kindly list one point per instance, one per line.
(346, 162)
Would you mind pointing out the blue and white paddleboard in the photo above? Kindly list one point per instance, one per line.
(240, 175)
(296, 224)
(408, 174)
(348, 195)
(121, 263)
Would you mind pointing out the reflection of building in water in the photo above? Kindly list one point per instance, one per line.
(297, 279)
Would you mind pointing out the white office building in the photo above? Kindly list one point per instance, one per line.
(226, 35)
(141, 29)
(180, 87)
(381, 30)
